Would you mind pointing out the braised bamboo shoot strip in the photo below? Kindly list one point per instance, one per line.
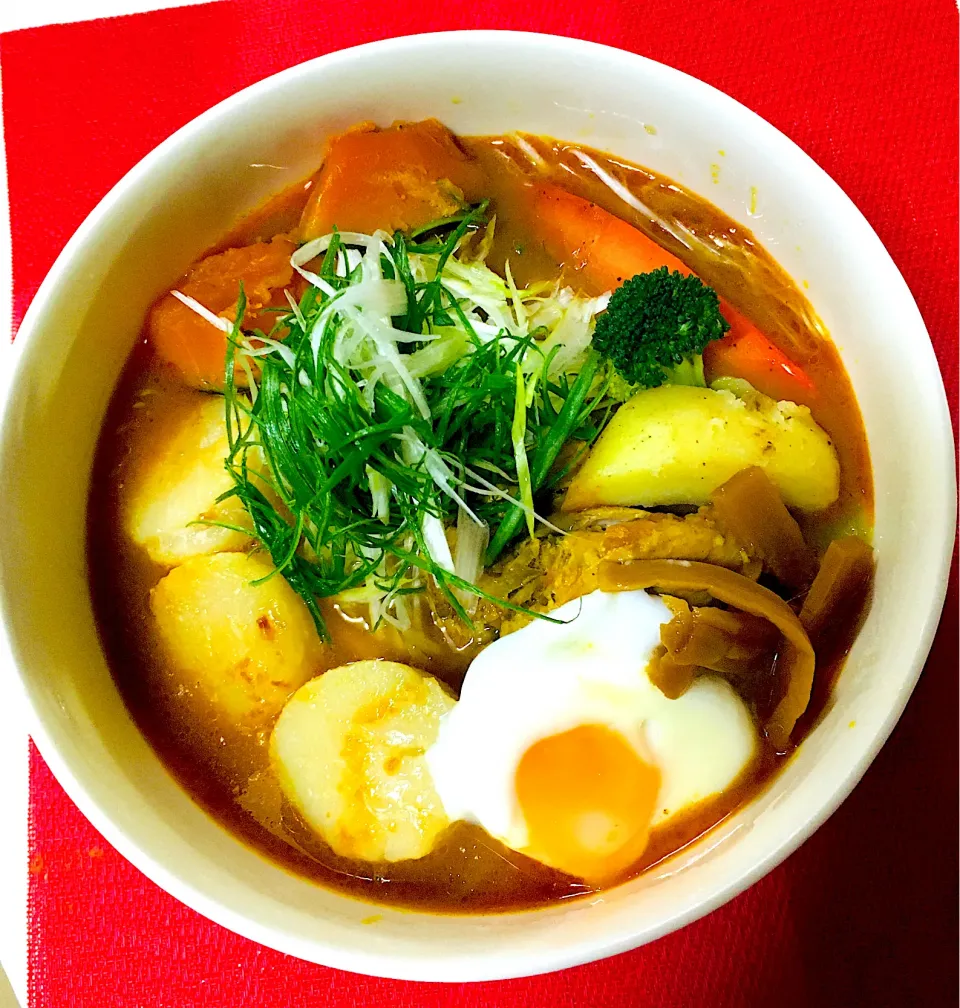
(749, 507)
(796, 660)
(839, 589)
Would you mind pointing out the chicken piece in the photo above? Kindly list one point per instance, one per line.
(598, 519)
(677, 443)
(570, 563)
(191, 343)
(395, 179)
(544, 573)
(348, 751)
(245, 646)
(180, 485)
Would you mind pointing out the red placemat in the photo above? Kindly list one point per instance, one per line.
(864, 913)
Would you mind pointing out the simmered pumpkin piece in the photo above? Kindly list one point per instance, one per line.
(395, 179)
(195, 346)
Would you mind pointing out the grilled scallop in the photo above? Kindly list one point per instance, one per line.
(348, 750)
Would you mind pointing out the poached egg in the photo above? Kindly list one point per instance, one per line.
(563, 749)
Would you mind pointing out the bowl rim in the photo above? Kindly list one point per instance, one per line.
(465, 967)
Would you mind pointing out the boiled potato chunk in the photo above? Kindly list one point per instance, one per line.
(348, 750)
(246, 646)
(676, 444)
(181, 485)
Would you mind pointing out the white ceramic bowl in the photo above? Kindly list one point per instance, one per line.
(177, 201)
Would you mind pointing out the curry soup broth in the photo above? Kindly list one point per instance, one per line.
(225, 766)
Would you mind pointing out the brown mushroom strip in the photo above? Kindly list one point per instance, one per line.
(840, 586)
(796, 659)
(749, 508)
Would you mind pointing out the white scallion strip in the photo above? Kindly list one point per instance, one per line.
(436, 541)
(303, 255)
(472, 540)
(380, 488)
(251, 381)
(619, 189)
(396, 611)
(274, 346)
(224, 325)
(295, 308)
(518, 433)
(532, 153)
(441, 475)
(497, 492)
(319, 245)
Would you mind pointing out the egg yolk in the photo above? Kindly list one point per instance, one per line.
(588, 800)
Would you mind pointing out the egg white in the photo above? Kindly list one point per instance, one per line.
(590, 668)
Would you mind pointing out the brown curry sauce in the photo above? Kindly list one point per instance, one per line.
(225, 767)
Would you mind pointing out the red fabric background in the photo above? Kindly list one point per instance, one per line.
(864, 913)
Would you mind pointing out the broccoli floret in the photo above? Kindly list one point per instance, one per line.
(656, 326)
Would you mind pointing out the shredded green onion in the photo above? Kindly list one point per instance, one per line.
(406, 371)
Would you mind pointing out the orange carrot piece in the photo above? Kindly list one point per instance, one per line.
(197, 348)
(602, 251)
(746, 353)
(397, 179)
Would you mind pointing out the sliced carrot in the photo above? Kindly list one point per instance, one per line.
(396, 179)
(746, 353)
(599, 249)
(602, 251)
(197, 348)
